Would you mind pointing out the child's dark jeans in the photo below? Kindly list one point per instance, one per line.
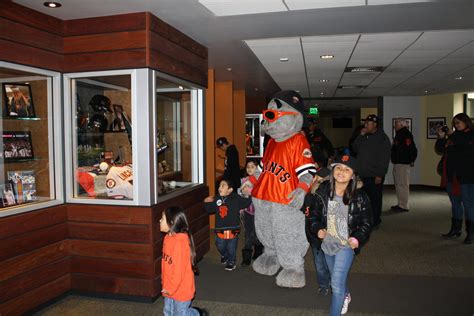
(228, 248)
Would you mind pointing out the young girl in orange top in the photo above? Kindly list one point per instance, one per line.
(177, 264)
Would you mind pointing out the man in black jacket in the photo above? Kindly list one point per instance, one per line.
(232, 166)
(372, 147)
(404, 154)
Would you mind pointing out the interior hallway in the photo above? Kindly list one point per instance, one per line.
(405, 269)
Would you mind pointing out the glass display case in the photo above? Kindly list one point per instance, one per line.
(30, 164)
(254, 136)
(179, 130)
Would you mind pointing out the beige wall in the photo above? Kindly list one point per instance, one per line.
(433, 106)
(364, 112)
(338, 136)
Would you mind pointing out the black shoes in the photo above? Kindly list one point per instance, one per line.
(399, 209)
(323, 290)
(455, 231)
(223, 261)
(470, 233)
(246, 257)
(230, 266)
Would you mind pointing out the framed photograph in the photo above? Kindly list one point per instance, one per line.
(17, 146)
(24, 185)
(408, 121)
(18, 100)
(7, 196)
(433, 123)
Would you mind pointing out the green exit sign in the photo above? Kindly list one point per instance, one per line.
(313, 111)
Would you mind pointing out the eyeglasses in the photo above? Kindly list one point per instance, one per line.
(273, 115)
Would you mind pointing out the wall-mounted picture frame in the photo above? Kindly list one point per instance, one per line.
(17, 146)
(18, 100)
(408, 121)
(432, 126)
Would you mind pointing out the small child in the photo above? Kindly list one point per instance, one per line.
(227, 205)
(322, 271)
(177, 264)
(252, 244)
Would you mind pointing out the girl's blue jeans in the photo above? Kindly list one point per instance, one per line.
(339, 266)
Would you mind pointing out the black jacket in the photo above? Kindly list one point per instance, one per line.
(458, 150)
(227, 210)
(359, 221)
(373, 154)
(232, 167)
(404, 150)
(321, 147)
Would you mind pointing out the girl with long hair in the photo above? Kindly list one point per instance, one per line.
(177, 264)
(341, 218)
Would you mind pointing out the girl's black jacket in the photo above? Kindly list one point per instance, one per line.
(359, 221)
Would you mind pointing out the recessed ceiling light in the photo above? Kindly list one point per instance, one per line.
(326, 56)
(298, 91)
(458, 78)
(51, 4)
(256, 89)
(229, 69)
(322, 93)
(427, 91)
(181, 87)
(323, 80)
(283, 59)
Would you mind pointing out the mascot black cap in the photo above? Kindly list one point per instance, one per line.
(293, 99)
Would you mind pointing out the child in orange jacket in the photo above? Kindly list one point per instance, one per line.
(177, 264)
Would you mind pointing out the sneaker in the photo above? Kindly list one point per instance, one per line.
(323, 290)
(230, 266)
(345, 306)
(223, 261)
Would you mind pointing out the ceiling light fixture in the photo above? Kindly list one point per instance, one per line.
(326, 56)
(181, 87)
(51, 4)
(284, 59)
(364, 69)
(352, 87)
(256, 89)
(427, 91)
(229, 69)
(323, 80)
(458, 78)
(322, 93)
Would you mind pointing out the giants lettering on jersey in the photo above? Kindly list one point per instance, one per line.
(277, 170)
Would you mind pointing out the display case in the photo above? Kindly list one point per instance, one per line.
(106, 128)
(253, 135)
(30, 155)
(179, 135)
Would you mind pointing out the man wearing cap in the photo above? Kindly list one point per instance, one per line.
(373, 151)
(321, 146)
(404, 153)
(232, 166)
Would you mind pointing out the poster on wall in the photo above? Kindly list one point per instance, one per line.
(433, 124)
(408, 122)
(24, 185)
(18, 100)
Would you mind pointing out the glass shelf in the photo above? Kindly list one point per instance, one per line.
(22, 118)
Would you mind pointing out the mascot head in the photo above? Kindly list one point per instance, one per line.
(284, 115)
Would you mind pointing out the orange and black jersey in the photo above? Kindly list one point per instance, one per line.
(227, 210)
(282, 165)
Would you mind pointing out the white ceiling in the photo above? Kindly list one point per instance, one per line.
(423, 44)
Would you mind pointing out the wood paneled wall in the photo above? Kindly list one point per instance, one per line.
(88, 248)
(124, 41)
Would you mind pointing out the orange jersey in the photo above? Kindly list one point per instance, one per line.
(282, 165)
(177, 276)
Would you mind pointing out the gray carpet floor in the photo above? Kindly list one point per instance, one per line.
(405, 269)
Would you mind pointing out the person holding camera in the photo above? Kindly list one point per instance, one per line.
(458, 173)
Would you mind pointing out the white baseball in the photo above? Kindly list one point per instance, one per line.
(103, 166)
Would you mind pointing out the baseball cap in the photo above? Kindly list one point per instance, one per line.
(346, 160)
(372, 118)
(293, 99)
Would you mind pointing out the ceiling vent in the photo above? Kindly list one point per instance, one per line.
(352, 87)
(364, 69)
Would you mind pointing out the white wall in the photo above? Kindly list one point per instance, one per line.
(407, 107)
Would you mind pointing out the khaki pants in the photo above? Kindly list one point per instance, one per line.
(401, 178)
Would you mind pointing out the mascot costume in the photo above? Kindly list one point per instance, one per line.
(287, 169)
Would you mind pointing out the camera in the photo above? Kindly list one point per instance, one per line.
(445, 129)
